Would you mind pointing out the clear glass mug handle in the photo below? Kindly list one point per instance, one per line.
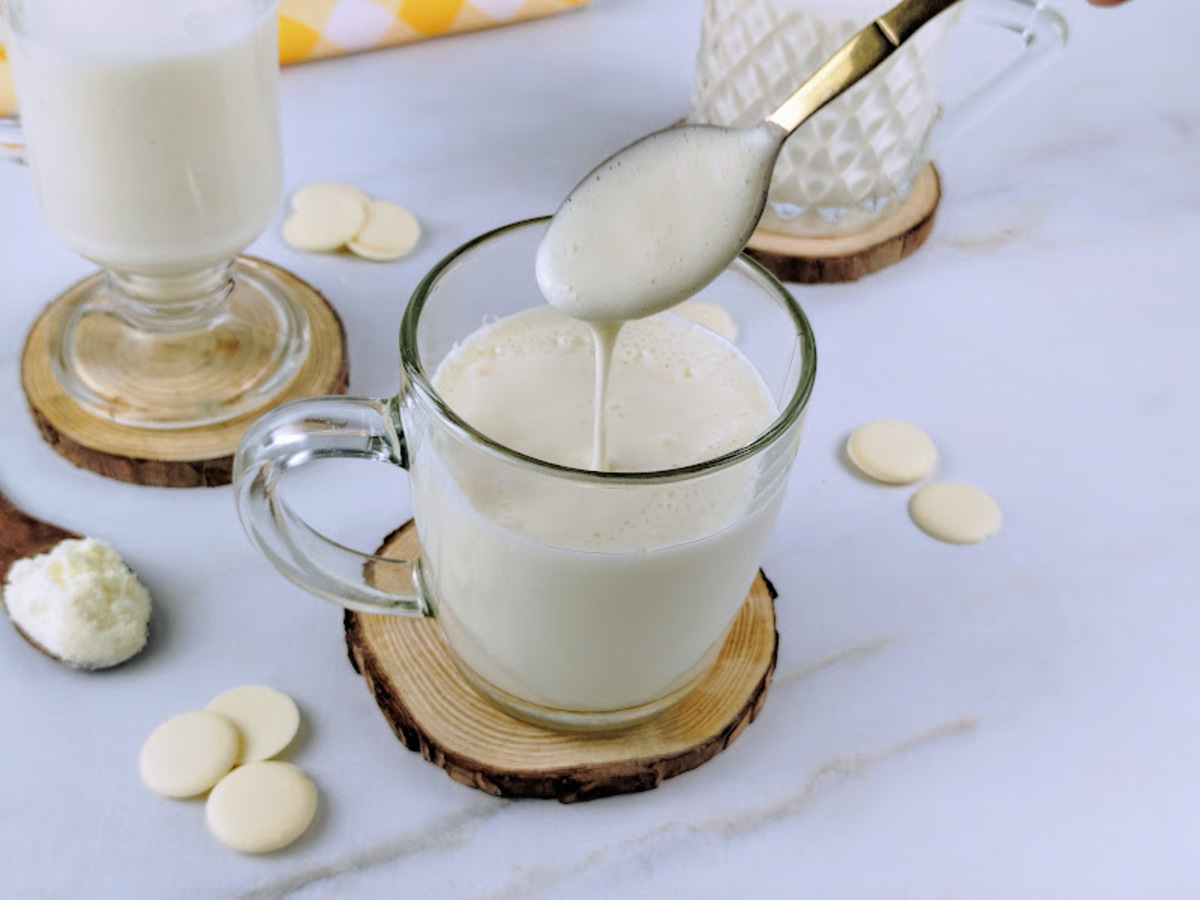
(293, 435)
(1043, 33)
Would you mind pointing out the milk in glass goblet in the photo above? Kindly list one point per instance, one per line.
(151, 130)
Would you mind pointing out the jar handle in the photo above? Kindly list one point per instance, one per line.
(294, 435)
(1043, 33)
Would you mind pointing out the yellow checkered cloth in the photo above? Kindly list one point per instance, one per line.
(312, 29)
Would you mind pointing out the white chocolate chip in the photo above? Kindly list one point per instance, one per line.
(318, 196)
(956, 513)
(390, 232)
(189, 753)
(267, 719)
(712, 316)
(261, 807)
(325, 217)
(892, 451)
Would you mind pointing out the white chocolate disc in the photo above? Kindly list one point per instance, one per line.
(189, 753)
(390, 232)
(261, 806)
(956, 513)
(266, 718)
(892, 451)
(711, 315)
(318, 196)
(325, 217)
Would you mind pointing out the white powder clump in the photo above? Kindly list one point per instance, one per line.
(80, 602)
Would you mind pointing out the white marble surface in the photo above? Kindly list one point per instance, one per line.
(1016, 719)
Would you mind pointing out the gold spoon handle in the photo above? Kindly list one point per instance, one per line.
(857, 58)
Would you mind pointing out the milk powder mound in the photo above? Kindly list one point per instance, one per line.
(80, 602)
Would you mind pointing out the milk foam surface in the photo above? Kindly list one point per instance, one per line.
(655, 223)
(677, 394)
(581, 596)
(156, 152)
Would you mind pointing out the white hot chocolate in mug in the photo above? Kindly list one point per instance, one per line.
(854, 163)
(570, 597)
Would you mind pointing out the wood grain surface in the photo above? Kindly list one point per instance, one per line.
(434, 712)
(822, 260)
(186, 457)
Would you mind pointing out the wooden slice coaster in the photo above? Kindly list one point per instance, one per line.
(185, 457)
(433, 710)
(848, 258)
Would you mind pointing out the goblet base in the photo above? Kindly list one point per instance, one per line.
(157, 353)
(210, 381)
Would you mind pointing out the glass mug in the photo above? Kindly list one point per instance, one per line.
(854, 164)
(152, 134)
(554, 634)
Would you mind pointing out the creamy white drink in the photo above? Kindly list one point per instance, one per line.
(656, 222)
(581, 596)
(155, 150)
(648, 228)
(600, 597)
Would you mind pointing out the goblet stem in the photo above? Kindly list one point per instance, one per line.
(171, 304)
(180, 351)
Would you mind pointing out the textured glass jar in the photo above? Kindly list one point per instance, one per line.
(855, 161)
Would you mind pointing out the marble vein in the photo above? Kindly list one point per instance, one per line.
(448, 832)
(835, 771)
(850, 653)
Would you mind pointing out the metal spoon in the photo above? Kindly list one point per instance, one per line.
(563, 269)
(21, 536)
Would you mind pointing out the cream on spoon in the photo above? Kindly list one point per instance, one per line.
(660, 219)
